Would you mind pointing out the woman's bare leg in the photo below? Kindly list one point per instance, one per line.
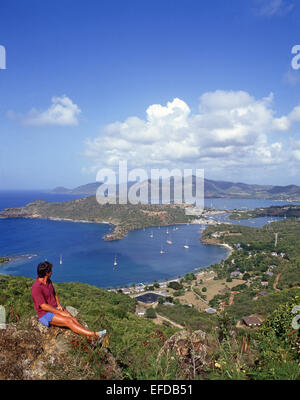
(59, 320)
(75, 320)
(72, 317)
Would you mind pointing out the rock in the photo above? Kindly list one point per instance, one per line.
(35, 351)
(37, 325)
(72, 310)
(191, 350)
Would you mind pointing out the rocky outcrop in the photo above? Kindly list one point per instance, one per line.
(192, 349)
(35, 351)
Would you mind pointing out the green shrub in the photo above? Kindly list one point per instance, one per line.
(150, 313)
(175, 285)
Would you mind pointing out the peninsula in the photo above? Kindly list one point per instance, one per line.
(124, 217)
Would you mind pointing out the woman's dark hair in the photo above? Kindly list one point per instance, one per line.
(43, 268)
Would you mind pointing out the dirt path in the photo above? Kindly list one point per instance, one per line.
(276, 281)
(171, 322)
(231, 299)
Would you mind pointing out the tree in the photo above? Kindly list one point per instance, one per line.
(246, 276)
(204, 289)
(189, 277)
(175, 285)
(150, 313)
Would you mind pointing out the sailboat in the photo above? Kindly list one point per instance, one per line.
(167, 231)
(60, 260)
(162, 250)
(169, 241)
(115, 261)
(151, 235)
(186, 246)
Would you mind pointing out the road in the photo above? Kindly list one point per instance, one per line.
(171, 322)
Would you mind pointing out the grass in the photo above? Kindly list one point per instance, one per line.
(134, 341)
(188, 317)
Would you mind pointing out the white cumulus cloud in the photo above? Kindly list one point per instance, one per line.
(231, 129)
(62, 112)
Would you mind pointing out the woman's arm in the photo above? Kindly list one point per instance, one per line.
(59, 307)
(48, 308)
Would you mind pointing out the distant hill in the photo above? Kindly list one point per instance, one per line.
(88, 189)
(212, 189)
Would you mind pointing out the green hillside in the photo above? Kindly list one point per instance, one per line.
(135, 342)
(125, 217)
(100, 310)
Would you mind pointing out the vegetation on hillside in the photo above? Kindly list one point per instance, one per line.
(125, 217)
(134, 341)
(267, 254)
(272, 211)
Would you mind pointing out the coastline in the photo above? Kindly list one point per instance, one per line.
(230, 249)
(227, 246)
(215, 243)
(196, 270)
(77, 220)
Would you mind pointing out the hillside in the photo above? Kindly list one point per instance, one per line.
(273, 211)
(125, 217)
(98, 309)
(268, 258)
(139, 349)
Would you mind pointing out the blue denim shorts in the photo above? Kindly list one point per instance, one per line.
(45, 319)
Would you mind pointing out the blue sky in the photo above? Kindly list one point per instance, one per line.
(197, 84)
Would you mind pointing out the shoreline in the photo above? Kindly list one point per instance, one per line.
(76, 220)
(230, 249)
(227, 246)
(198, 269)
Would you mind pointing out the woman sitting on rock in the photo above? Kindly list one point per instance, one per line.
(50, 311)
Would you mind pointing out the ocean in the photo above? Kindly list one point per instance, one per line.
(87, 258)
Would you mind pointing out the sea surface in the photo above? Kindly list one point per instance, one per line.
(87, 258)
